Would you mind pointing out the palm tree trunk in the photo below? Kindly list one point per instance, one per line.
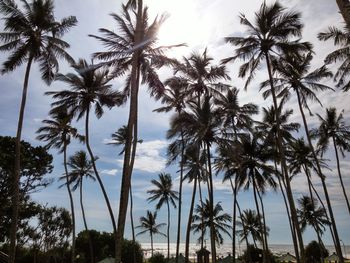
(180, 199)
(292, 231)
(234, 212)
(261, 230)
(70, 200)
(168, 230)
(344, 8)
(202, 218)
(151, 244)
(244, 229)
(16, 179)
(131, 141)
(285, 169)
(132, 225)
(92, 157)
(85, 224)
(264, 225)
(211, 202)
(323, 180)
(339, 174)
(189, 222)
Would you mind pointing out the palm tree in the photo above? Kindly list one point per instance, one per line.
(148, 224)
(201, 221)
(89, 88)
(58, 133)
(80, 168)
(164, 193)
(340, 38)
(310, 214)
(268, 36)
(31, 35)
(133, 51)
(344, 8)
(333, 129)
(174, 99)
(252, 226)
(253, 171)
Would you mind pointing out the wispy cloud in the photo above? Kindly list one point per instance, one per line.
(112, 172)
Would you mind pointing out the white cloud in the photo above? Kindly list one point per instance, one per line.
(112, 172)
(149, 157)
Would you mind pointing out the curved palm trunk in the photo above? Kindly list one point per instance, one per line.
(344, 8)
(261, 230)
(180, 200)
(339, 174)
(85, 223)
(189, 222)
(323, 180)
(285, 169)
(16, 180)
(243, 226)
(131, 142)
(264, 225)
(211, 203)
(168, 230)
(70, 200)
(87, 141)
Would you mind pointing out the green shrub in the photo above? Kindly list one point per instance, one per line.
(157, 258)
(314, 251)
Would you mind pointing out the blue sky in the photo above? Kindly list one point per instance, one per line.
(201, 24)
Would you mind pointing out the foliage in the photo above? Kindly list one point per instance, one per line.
(103, 244)
(157, 258)
(313, 252)
(253, 254)
(35, 165)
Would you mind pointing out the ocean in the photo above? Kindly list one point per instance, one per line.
(225, 249)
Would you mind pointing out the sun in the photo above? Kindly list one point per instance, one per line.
(184, 24)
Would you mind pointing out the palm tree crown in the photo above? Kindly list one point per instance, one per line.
(33, 33)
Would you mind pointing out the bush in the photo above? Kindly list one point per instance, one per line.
(157, 258)
(253, 254)
(314, 251)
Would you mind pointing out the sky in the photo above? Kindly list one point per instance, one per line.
(201, 24)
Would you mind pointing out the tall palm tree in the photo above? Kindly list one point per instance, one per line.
(80, 168)
(174, 99)
(253, 171)
(221, 221)
(310, 214)
(333, 129)
(133, 51)
(340, 38)
(58, 132)
(149, 224)
(268, 36)
(252, 226)
(31, 34)
(89, 88)
(164, 193)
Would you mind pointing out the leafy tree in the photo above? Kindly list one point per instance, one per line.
(315, 252)
(157, 258)
(36, 165)
(164, 194)
(89, 88)
(149, 224)
(31, 34)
